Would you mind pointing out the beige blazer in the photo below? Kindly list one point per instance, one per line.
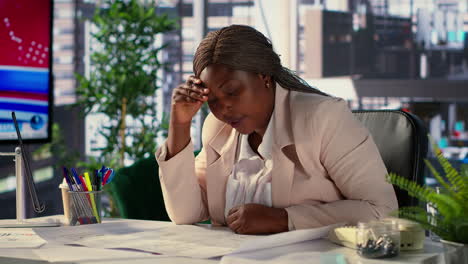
(326, 167)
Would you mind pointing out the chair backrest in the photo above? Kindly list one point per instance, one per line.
(402, 141)
(137, 191)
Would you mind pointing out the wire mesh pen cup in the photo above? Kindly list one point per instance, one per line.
(85, 208)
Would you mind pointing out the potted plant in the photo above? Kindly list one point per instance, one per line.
(122, 81)
(451, 221)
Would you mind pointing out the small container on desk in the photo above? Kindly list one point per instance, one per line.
(412, 235)
(378, 239)
(85, 207)
(433, 214)
(65, 199)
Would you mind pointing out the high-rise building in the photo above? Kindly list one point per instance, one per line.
(64, 51)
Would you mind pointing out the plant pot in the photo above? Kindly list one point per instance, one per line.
(455, 253)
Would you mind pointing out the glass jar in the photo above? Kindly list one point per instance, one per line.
(378, 239)
(433, 214)
(412, 235)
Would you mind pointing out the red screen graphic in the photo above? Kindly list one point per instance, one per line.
(25, 33)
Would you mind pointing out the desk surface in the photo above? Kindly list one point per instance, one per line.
(56, 251)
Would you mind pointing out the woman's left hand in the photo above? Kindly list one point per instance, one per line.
(257, 219)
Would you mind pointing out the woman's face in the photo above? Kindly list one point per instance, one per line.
(241, 99)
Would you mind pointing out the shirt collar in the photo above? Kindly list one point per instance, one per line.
(282, 116)
(264, 149)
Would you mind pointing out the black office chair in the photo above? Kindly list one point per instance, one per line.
(402, 141)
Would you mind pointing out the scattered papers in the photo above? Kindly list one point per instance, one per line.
(199, 241)
(176, 240)
(20, 238)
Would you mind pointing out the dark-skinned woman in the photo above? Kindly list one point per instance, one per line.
(277, 154)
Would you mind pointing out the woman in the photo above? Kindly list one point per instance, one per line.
(277, 154)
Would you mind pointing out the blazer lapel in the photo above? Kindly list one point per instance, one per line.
(281, 181)
(218, 172)
(283, 167)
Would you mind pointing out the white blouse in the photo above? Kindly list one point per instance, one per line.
(250, 179)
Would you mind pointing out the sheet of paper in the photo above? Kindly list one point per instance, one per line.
(285, 238)
(29, 223)
(23, 261)
(165, 260)
(177, 240)
(299, 258)
(69, 253)
(20, 238)
(109, 256)
(70, 234)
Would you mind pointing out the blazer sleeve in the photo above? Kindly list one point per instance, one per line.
(352, 160)
(183, 185)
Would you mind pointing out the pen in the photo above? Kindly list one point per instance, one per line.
(91, 195)
(77, 179)
(111, 177)
(83, 184)
(103, 170)
(88, 181)
(97, 181)
(106, 177)
(65, 176)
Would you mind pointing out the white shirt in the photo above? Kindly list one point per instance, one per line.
(250, 179)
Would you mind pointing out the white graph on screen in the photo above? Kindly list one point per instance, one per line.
(29, 52)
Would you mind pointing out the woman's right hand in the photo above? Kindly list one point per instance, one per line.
(187, 99)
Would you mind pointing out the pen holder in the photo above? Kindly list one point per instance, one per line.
(85, 208)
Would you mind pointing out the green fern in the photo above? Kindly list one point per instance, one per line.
(435, 223)
(413, 189)
(458, 181)
(464, 174)
(445, 204)
(447, 187)
(451, 222)
(436, 175)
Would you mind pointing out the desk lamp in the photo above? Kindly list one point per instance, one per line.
(21, 179)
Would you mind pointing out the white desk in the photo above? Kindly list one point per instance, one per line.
(56, 251)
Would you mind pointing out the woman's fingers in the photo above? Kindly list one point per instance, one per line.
(192, 93)
(193, 80)
(196, 92)
(232, 216)
(235, 226)
(196, 85)
(181, 97)
(233, 220)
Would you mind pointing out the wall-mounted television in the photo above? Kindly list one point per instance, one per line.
(26, 81)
